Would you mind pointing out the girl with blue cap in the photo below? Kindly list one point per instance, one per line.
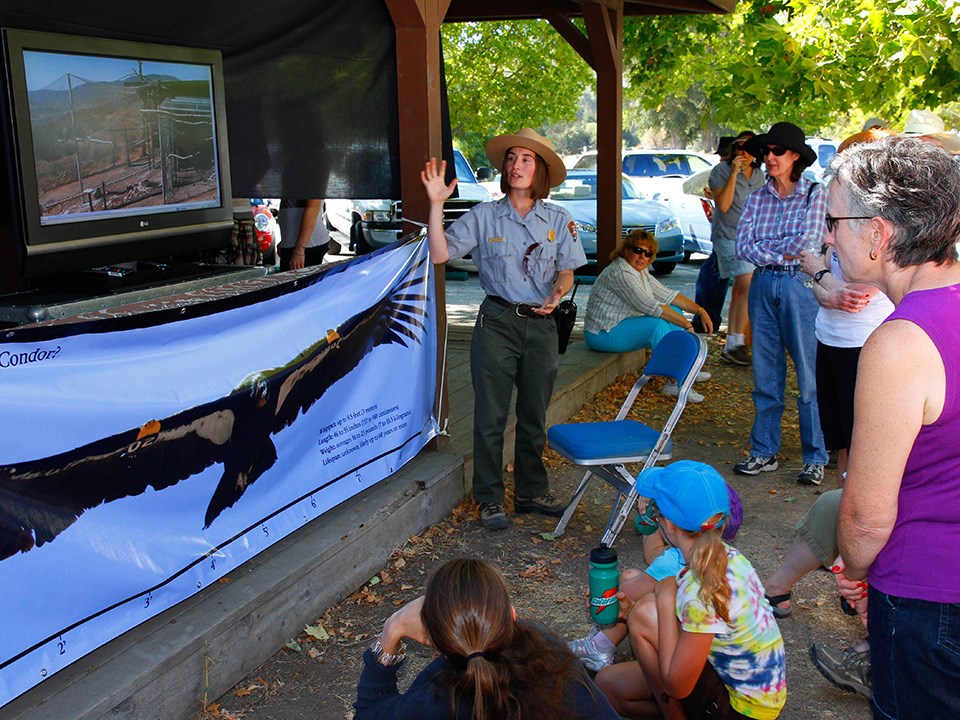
(706, 642)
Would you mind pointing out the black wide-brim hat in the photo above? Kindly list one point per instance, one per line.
(723, 144)
(749, 143)
(786, 134)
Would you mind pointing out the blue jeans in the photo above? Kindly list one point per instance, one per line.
(633, 333)
(914, 657)
(782, 314)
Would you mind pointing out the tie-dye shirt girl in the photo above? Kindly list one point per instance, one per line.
(748, 654)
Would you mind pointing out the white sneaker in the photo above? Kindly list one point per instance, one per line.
(590, 655)
(703, 376)
(673, 390)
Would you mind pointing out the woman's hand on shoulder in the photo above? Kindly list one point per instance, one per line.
(433, 181)
(848, 298)
(405, 623)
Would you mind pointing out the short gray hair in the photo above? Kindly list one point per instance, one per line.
(912, 184)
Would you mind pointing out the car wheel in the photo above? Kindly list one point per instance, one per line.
(663, 268)
(357, 239)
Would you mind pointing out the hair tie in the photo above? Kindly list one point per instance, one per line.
(472, 655)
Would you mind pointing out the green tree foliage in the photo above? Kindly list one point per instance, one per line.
(503, 76)
(819, 64)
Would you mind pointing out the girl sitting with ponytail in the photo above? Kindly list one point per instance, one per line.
(706, 642)
(491, 666)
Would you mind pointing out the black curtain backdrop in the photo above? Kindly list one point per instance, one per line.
(311, 87)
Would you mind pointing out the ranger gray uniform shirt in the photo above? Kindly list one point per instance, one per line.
(518, 258)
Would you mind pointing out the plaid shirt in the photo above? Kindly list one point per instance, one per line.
(774, 230)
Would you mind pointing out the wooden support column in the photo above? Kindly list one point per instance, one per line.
(604, 21)
(417, 24)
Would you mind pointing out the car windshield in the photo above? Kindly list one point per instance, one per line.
(584, 187)
(464, 172)
(661, 164)
(587, 162)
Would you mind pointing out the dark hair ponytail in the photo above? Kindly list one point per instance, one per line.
(505, 670)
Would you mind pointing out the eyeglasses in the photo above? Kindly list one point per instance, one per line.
(641, 251)
(832, 221)
(778, 150)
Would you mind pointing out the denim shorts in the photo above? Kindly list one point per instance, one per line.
(728, 264)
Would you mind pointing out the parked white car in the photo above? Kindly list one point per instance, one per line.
(659, 175)
(371, 224)
(826, 149)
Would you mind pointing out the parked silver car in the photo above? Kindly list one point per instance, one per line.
(578, 194)
(659, 175)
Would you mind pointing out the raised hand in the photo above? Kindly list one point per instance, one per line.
(433, 180)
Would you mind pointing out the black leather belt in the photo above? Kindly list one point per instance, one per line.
(521, 309)
(779, 268)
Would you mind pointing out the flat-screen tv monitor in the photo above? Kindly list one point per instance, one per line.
(116, 151)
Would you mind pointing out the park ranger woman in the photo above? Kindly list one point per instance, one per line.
(525, 251)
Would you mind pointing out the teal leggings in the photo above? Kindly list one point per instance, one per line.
(633, 333)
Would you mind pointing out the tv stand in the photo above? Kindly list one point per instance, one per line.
(106, 287)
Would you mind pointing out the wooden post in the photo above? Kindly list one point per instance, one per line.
(417, 24)
(604, 21)
(602, 50)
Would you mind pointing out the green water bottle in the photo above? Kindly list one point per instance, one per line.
(604, 584)
(645, 523)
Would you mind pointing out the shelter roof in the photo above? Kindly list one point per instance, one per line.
(470, 10)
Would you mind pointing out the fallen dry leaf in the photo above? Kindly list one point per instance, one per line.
(317, 631)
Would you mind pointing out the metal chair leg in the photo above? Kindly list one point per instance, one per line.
(572, 505)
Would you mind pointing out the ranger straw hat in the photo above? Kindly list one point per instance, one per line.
(531, 140)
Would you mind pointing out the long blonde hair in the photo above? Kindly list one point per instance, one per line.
(708, 563)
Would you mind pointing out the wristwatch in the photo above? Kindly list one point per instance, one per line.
(820, 274)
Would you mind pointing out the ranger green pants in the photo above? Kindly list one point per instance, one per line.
(508, 350)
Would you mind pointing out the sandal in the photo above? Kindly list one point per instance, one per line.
(775, 600)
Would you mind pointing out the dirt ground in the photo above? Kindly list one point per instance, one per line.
(315, 675)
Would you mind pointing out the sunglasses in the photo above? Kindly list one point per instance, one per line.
(832, 221)
(778, 150)
(641, 251)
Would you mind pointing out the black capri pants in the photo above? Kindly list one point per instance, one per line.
(836, 383)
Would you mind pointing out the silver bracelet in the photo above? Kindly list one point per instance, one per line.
(387, 659)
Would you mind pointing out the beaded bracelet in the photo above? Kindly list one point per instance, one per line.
(387, 659)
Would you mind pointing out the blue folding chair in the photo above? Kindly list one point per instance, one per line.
(604, 448)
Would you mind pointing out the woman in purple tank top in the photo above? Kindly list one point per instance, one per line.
(893, 215)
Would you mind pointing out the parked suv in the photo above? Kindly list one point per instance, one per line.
(371, 224)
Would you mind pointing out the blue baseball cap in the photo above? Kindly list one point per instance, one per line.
(688, 493)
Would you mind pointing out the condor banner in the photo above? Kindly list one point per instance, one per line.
(144, 457)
